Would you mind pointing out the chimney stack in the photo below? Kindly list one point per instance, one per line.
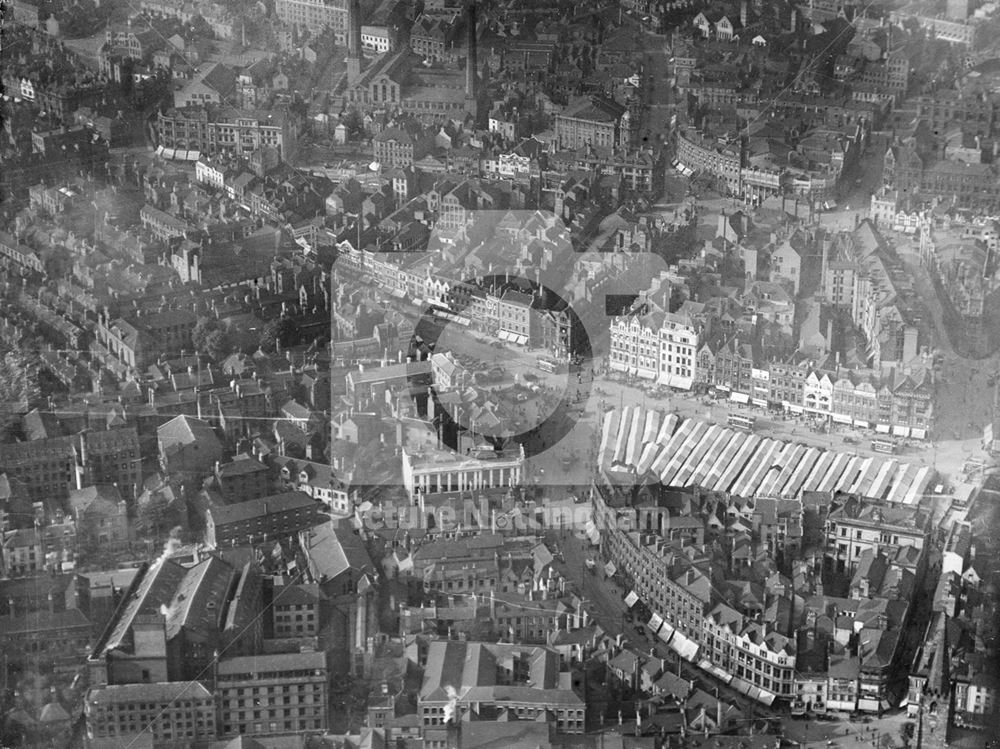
(471, 60)
(353, 41)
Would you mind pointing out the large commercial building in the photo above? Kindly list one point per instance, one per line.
(435, 471)
(315, 15)
(264, 695)
(593, 121)
(171, 714)
(273, 517)
(208, 130)
(401, 82)
(526, 681)
(856, 527)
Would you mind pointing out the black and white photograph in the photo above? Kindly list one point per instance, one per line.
(500, 374)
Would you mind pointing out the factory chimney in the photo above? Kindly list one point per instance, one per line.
(471, 62)
(353, 40)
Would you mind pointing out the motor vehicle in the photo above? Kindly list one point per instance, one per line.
(850, 441)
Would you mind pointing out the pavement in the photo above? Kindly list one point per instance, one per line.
(844, 733)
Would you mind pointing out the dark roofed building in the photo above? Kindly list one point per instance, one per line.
(188, 445)
(291, 689)
(337, 558)
(593, 121)
(165, 712)
(58, 638)
(241, 479)
(267, 518)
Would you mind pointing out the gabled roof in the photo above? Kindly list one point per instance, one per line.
(165, 692)
(185, 430)
(332, 550)
(100, 498)
(254, 508)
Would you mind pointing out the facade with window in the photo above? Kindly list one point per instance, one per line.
(635, 344)
(462, 677)
(856, 527)
(515, 317)
(211, 130)
(264, 695)
(679, 342)
(296, 610)
(269, 517)
(315, 15)
(176, 714)
(593, 121)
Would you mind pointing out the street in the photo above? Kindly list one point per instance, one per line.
(948, 456)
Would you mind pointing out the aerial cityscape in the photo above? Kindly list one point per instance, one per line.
(500, 374)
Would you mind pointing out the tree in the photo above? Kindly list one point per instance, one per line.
(277, 332)
(18, 381)
(211, 337)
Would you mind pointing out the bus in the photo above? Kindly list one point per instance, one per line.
(546, 366)
(884, 446)
(738, 421)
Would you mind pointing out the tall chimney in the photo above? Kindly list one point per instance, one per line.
(354, 29)
(471, 61)
(353, 41)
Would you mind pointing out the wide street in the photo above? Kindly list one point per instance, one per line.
(949, 456)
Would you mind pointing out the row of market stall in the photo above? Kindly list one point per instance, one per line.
(688, 452)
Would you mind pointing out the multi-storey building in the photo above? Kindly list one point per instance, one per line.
(315, 15)
(136, 341)
(276, 516)
(111, 456)
(59, 638)
(956, 32)
(24, 551)
(47, 468)
(14, 254)
(975, 691)
(591, 122)
(400, 146)
(264, 695)
(787, 381)
(296, 610)
(640, 169)
(857, 526)
(764, 660)
(515, 316)
(525, 680)
(680, 339)
(211, 129)
(435, 471)
(173, 714)
(661, 576)
(174, 620)
(434, 37)
(635, 344)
